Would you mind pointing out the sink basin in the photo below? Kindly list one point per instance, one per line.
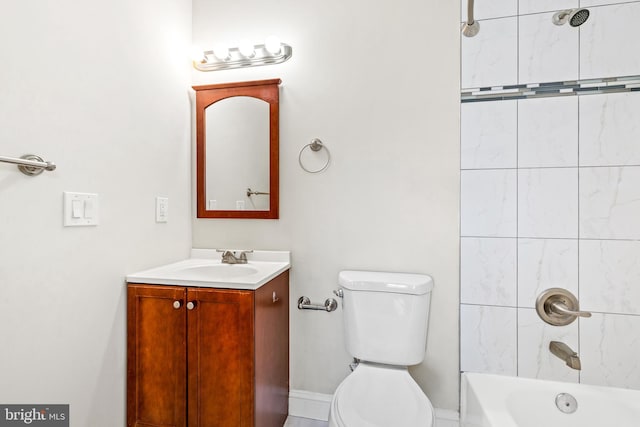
(222, 271)
(205, 269)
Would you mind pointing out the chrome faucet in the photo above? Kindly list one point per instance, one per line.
(229, 257)
(565, 353)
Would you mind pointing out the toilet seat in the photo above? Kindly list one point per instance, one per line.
(380, 396)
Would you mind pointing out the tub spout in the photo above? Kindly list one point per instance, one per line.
(565, 353)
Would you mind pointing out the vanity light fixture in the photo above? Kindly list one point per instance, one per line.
(246, 55)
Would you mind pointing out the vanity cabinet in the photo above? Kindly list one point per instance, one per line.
(205, 357)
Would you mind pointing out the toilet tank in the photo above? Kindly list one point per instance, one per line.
(386, 315)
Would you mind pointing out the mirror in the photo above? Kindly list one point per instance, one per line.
(237, 155)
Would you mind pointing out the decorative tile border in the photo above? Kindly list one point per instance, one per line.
(541, 90)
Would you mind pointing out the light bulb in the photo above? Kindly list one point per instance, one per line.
(197, 54)
(221, 52)
(247, 49)
(273, 45)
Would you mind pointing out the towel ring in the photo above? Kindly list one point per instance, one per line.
(315, 145)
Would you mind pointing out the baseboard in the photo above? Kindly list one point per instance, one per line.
(307, 404)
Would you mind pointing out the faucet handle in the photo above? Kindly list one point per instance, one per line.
(560, 307)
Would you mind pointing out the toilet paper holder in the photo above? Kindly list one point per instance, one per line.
(304, 303)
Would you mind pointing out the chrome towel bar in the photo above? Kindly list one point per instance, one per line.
(304, 303)
(29, 164)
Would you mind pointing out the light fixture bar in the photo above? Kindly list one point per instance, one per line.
(235, 59)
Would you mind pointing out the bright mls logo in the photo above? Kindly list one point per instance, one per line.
(34, 415)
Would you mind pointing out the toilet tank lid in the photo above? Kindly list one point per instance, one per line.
(380, 281)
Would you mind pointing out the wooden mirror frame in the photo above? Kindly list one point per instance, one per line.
(265, 90)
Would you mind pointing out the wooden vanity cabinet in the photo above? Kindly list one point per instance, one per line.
(208, 357)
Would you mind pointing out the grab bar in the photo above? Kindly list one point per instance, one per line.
(255, 193)
(30, 164)
(304, 303)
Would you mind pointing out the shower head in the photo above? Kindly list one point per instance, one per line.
(575, 17)
(470, 29)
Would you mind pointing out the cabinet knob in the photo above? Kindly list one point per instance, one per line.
(275, 297)
(191, 305)
(177, 304)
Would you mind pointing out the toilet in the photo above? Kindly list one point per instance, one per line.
(385, 322)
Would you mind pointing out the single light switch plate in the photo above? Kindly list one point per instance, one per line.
(80, 209)
(162, 209)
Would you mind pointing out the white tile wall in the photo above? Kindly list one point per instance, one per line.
(609, 349)
(562, 208)
(607, 40)
(488, 339)
(491, 57)
(548, 52)
(488, 271)
(547, 132)
(488, 200)
(610, 203)
(534, 6)
(534, 358)
(489, 135)
(544, 264)
(548, 202)
(489, 9)
(610, 276)
(609, 126)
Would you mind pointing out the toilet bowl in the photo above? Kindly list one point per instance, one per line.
(380, 396)
(385, 319)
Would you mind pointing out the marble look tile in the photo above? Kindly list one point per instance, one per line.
(488, 271)
(491, 57)
(536, 6)
(544, 264)
(304, 422)
(609, 129)
(605, 49)
(489, 9)
(488, 339)
(609, 349)
(548, 203)
(547, 52)
(547, 132)
(489, 134)
(587, 3)
(534, 358)
(610, 276)
(488, 203)
(610, 202)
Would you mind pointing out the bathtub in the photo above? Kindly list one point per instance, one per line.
(500, 401)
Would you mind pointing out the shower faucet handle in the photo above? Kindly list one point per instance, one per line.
(559, 307)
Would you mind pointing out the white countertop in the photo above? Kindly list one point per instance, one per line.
(205, 269)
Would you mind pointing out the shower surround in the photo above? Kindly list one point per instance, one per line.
(550, 193)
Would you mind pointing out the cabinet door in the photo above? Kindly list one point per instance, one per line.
(220, 359)
(156, 356)
(272, 352)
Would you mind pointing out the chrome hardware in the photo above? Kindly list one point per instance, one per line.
(315, 145)
(566, 403)
(229, 256)
(330, 304)
(177, 304)
(255, 193)
(191, 305)
(564, 352)
(275, 297)
(339, 293)
(30, 164)
(353, 365)
(559, 307)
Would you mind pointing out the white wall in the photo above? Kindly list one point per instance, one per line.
(378, 84)
(101, 89)
(550, 195)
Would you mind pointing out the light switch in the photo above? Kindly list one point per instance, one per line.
(162, 209)
(77, 208)
(80, 209)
